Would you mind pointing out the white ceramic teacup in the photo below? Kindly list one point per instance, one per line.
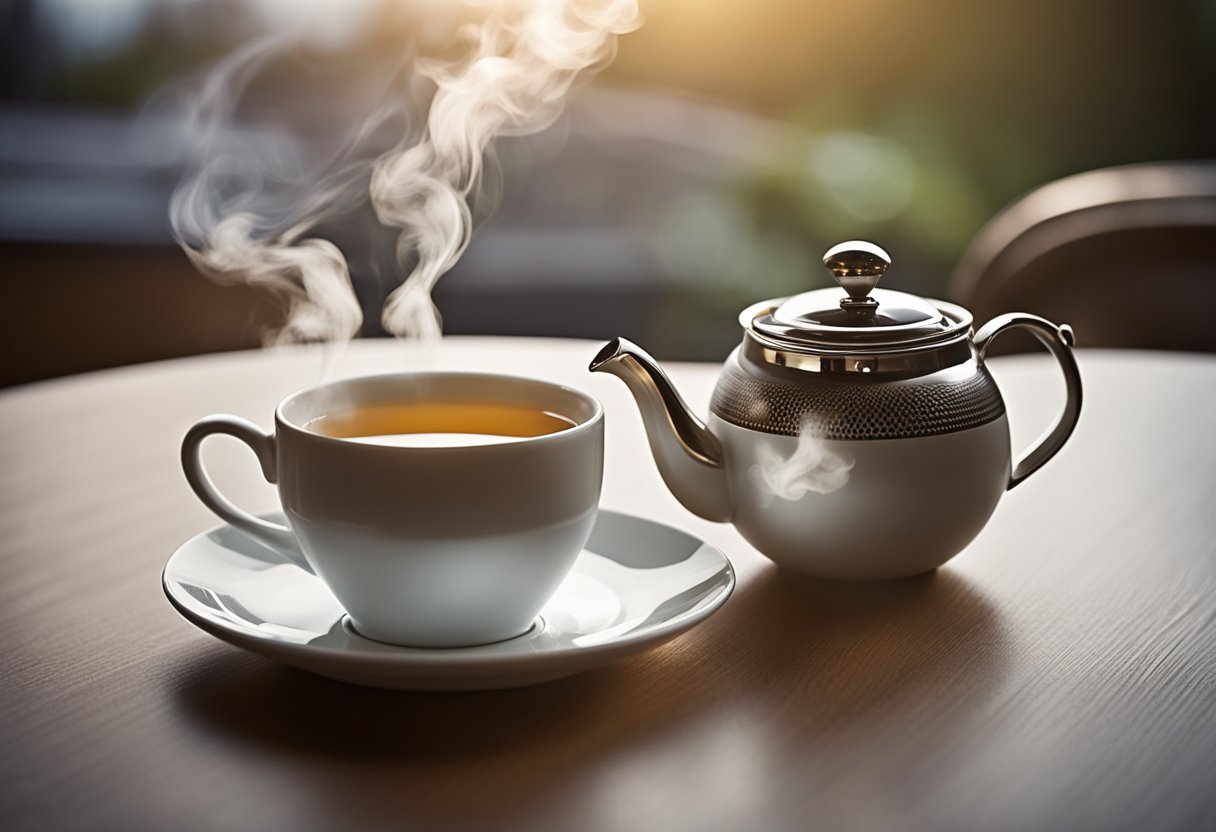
(425, 546)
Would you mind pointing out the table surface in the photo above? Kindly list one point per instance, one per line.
(1059, 674)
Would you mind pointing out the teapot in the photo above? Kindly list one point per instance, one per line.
(853, 435)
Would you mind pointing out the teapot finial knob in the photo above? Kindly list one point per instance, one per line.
(857, 267)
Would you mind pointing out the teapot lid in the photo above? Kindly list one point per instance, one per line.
(863, 317)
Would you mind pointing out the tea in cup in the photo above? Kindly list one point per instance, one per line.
(441, 509)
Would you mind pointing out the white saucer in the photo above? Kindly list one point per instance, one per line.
(636, 585)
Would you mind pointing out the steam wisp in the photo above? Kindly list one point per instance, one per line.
(811, 467)
(248, 199)
(513, 81)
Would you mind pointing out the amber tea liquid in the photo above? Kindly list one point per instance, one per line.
(437, 424)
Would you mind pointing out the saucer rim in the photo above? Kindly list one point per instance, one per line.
(398, 655)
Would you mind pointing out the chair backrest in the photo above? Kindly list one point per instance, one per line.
(1125, 255)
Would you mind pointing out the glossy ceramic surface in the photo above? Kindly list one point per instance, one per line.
(425, 546)
(853, 434)
(635, 585)
(861, 510)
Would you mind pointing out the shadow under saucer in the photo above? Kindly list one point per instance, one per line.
(851, 680)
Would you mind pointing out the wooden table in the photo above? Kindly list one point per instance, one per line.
(1059, 674)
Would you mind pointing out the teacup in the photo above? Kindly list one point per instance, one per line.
(454, 530)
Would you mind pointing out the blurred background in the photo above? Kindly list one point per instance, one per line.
(707, 167)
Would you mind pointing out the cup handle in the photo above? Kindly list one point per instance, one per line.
(274, 535)
(1058, 339)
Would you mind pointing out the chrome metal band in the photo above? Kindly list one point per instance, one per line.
(758, 319)
(904, 363)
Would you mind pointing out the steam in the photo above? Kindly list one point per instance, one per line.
(812, 467)
(513, 81)
(248, 198)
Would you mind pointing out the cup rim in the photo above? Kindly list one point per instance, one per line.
(597, 414)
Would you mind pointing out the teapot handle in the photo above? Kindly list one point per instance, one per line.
(1058, 339)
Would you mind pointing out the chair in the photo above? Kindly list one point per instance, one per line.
(1126, 255)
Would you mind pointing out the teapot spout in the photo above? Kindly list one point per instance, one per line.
(689, 457)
